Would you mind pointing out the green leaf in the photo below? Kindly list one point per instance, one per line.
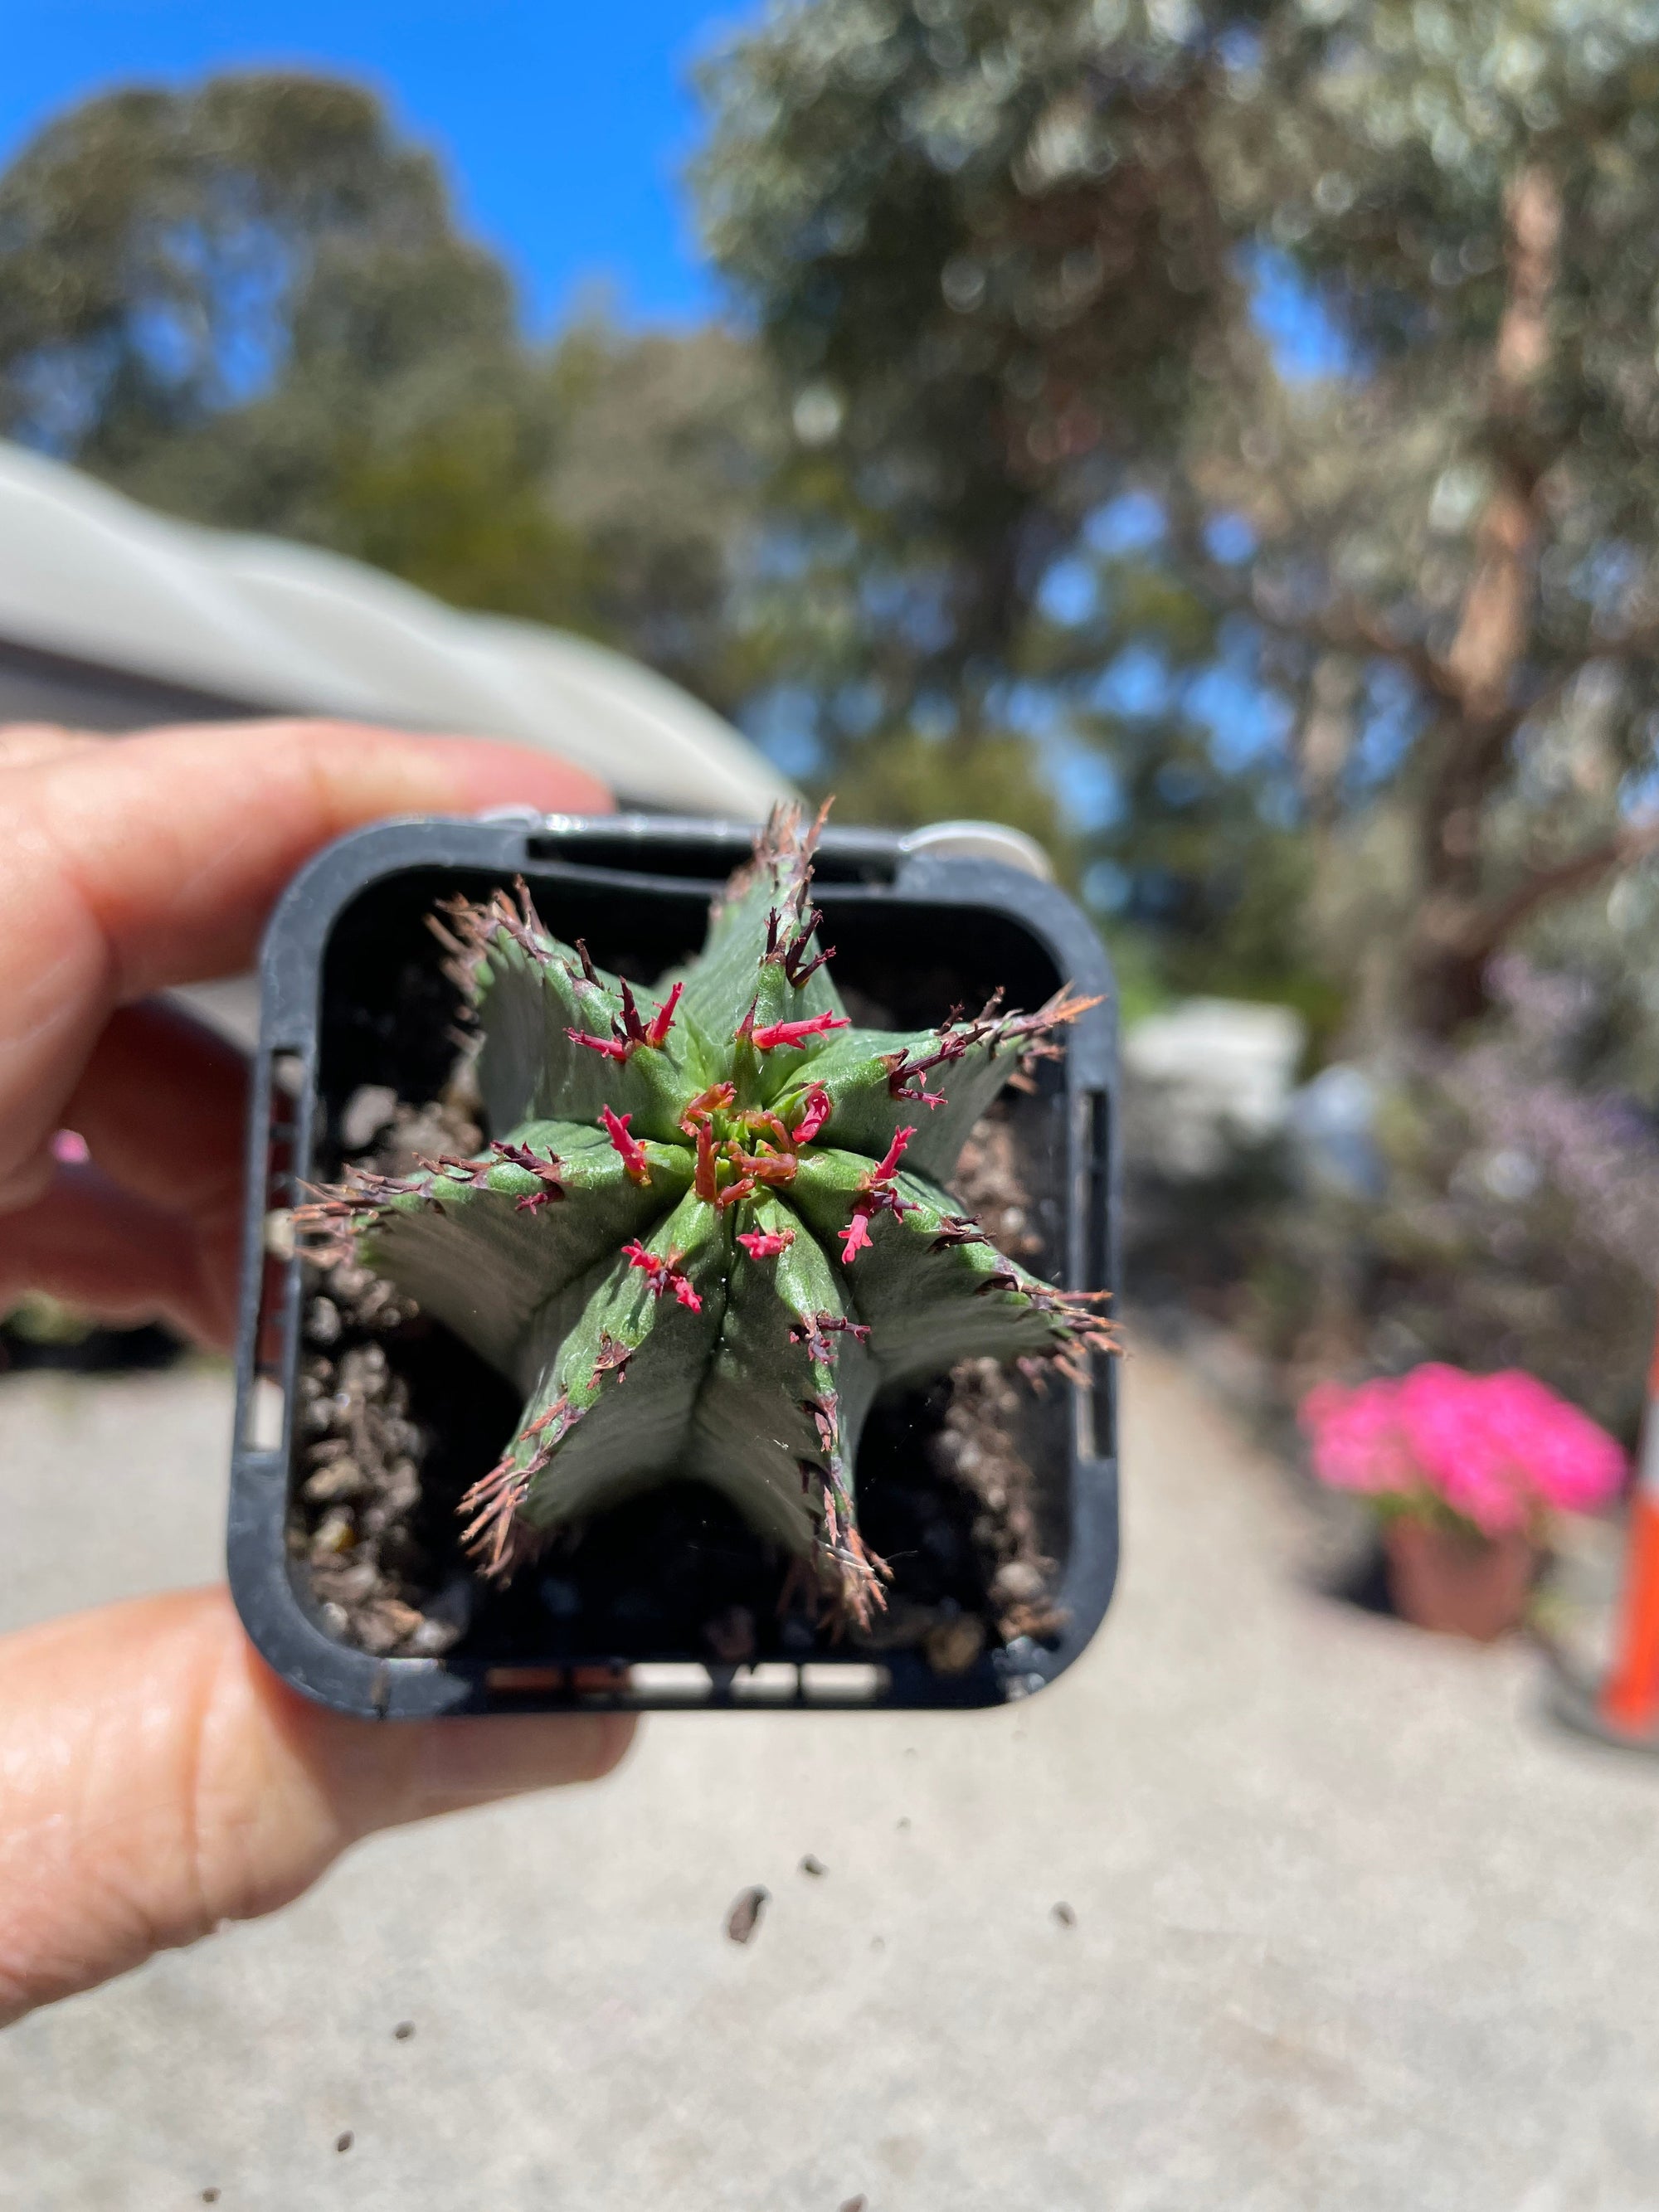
(784, 1391)
(477, 1258)
(929, 1300)
(529, 1002)
(854, 1066)
(632, 1419)
(867, 1073)
(733, 972)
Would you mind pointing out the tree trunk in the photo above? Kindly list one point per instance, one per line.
(1451, 940)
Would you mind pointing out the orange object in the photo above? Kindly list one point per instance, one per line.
(1629, 1703)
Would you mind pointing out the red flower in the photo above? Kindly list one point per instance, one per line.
(632, 1151)
(880, 1195)
(664, 1274)
(856, 1235)
(705, 1103)
(657, 1028)
(628, 1030)
(770, 1035)
(612, 1047)
(814, 1110)
(765, 1243)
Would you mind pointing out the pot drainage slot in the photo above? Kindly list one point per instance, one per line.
(844, 1685)
(705, 860)
(266, 1407)
(525, 1682)
(267, 1404)
(774, 1682)
(1095, 1256)
(531, 1681)
(681, 1681)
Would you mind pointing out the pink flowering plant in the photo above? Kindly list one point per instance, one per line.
(1490, 1454)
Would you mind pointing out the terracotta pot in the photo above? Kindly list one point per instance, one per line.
(1474, 1586)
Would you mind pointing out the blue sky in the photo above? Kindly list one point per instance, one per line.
(563, 124)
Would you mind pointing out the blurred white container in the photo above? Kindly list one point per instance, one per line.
(1207, 1080)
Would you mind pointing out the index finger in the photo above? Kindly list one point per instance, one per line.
(154, 860)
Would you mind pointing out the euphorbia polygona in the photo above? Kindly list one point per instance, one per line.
(711, 1224)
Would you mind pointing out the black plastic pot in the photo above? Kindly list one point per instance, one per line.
(354, 996)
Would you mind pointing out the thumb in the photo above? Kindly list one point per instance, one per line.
(157, 1778)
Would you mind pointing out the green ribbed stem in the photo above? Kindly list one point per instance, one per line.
(713, 1226)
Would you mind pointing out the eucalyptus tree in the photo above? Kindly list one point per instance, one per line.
(1016, 262)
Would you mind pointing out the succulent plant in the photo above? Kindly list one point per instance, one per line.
(711, 1224)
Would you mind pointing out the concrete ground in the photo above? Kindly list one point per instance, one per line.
(1354, 1930)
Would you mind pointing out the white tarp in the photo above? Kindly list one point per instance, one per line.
(89, 575)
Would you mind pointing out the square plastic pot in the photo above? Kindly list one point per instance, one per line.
(353, 996)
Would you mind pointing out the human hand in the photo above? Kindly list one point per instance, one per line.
(156, 1777)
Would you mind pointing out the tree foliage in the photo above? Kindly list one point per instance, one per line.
(1016, 262)
(250, 303)
(1221, 435)
(263, 253)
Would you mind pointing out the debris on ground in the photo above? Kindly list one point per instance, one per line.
(744, 1917)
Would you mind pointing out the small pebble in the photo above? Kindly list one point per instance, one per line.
(952, 1646)
(369, 1108)
(344, 2141)
(1018, 1582)
(1064, 1914)
(403, 2030)
(336, 1479)
(744, 1917)
(904, 1820)
(209, 2196)
(855, 2204)
(337, 1533)
(322, 1321)
(812, 1865)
